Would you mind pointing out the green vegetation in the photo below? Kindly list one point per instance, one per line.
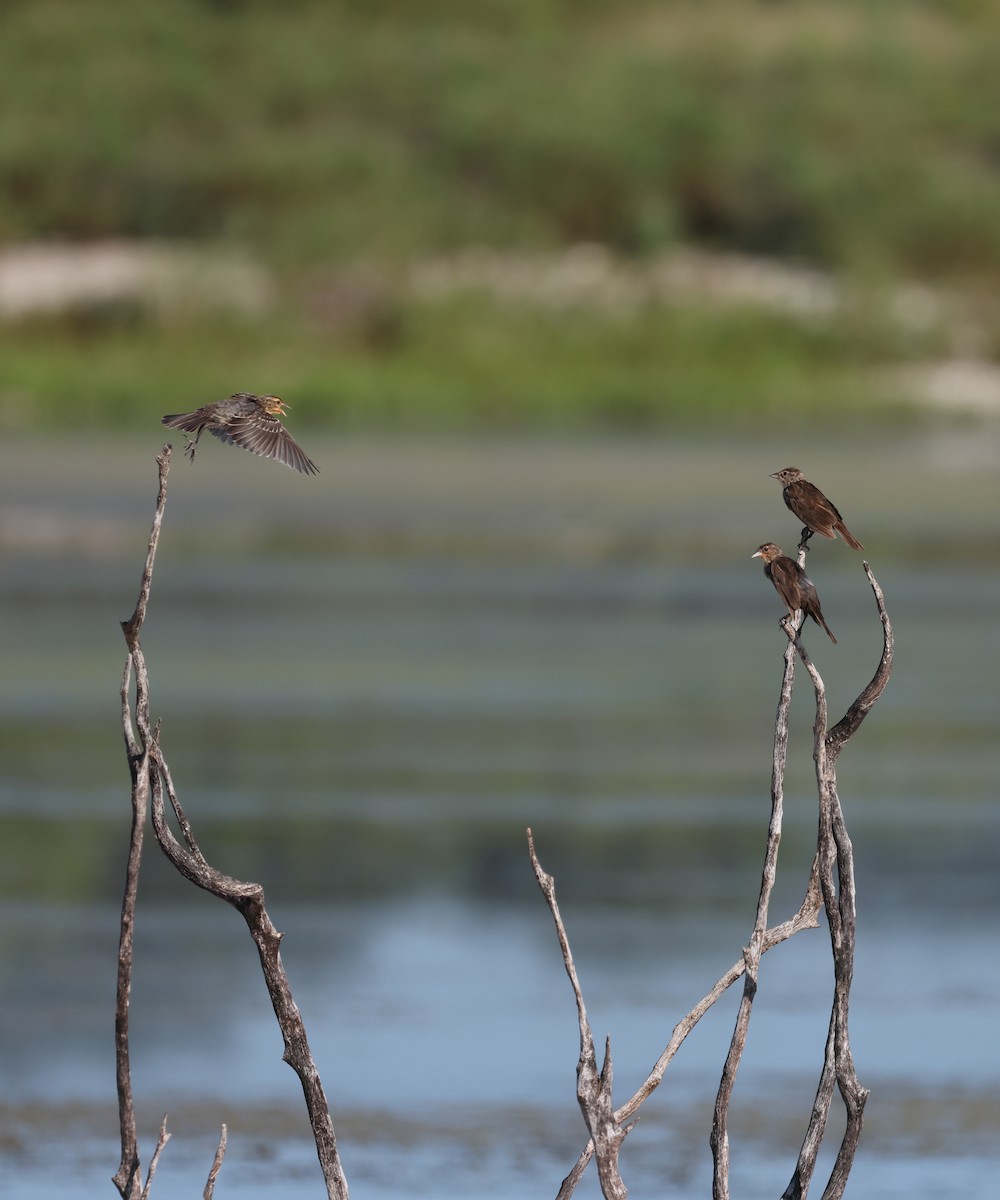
(333, 142)
(455, 366)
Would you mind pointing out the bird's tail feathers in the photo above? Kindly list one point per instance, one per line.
(189, 422)
(848, 537)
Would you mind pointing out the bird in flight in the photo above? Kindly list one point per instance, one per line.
(816, 513)
(248, 421)
(792, 584)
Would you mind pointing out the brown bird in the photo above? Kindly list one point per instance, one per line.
(792, 584)
(818, 514)
(248, 421)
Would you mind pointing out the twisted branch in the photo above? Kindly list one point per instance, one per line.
(836, 873)
(593, 1088)
(151, 778)
(834, 857)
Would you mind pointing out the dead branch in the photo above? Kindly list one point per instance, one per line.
(719, 1138)
(220, 1153)
(805, 918)
(848, 724)
(762, 940)
(151, 777)
(128, 1177)
(593, 1088)
(161, 1141)
(836, 875)
(834, 854)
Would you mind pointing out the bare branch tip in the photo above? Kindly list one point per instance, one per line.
(533, 855)
(607, 1064)
(220, 1153)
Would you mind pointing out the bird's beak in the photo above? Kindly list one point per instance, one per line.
(756, 554)
(774, 474)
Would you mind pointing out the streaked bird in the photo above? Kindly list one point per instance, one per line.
(812, 508)
(792, 584)
(248, 421)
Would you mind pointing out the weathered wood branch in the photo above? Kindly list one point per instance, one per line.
(128, 1177)
(805, 918)
(834, 857)
(151, 782)
(836, 875)
(719, 1137)
(763, 939)
(593, 1087)
(837, 880)
(848, 724)
(154, 1162)
(248, 899)
(220, 1154)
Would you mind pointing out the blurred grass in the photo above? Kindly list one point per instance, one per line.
(860, 138)
(460, 365)
(862, 135)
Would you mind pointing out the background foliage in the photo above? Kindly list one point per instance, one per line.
(340, 146)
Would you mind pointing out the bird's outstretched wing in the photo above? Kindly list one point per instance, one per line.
(265, 435)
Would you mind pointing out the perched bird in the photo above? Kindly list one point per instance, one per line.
(248, 421)
(818, 514)
(792, 584)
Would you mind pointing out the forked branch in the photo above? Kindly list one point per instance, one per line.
(830, 886)
(836, 875)
(593, 1087)
(151, 786)
(719, 1138)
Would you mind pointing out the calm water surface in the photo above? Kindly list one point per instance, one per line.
(370, 684)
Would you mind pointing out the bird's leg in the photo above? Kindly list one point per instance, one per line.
(787, 623)
(191, 446)
(804, 539)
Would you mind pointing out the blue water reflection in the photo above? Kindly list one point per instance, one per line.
(368, 692)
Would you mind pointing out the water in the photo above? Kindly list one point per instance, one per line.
(370, 685)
